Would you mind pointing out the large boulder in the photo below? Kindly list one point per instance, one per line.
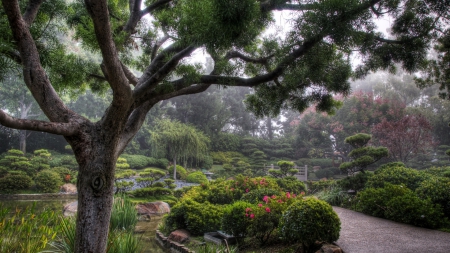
(70, 209)
(179, 235)
(153, 208)
(68, 188)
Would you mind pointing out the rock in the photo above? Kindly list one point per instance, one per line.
(145, 217)
(179, 236)
(70, 209)
(329, 248)
(68, 188)
(152, 208)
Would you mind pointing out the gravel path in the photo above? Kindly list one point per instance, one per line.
(361, 233)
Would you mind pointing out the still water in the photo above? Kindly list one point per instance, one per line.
(147, 238)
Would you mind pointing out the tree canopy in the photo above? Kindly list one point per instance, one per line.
(303, 68)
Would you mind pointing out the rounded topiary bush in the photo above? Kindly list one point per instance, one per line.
(197, 177)
(308, 221)
(291, 184)
(198, 218)
(397, 175)
(48, 181)
(234, 222)
(438, 190)
(255, 196)
(181, 172)
(14, 182)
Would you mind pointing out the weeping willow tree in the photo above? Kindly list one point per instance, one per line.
(178, 142)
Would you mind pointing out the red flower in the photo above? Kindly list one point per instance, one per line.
(273, 196)
(288, 195)
(302, 193)
(266, 199)
(246, 215)
(252, 216)
(280, 201)
(248, 209)
(247, 190)
(267, 209)
(260, 205)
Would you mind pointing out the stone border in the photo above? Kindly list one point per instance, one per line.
(43, 196)
(174, 247)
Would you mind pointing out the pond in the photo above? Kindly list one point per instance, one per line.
(147, 238)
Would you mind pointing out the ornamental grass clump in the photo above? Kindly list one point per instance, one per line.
(308, 221)
(26, 231)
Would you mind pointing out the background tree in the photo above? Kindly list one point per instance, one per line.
(306, 67)
(406, 137)
(286, 169)
(178, 142)
(362, 155)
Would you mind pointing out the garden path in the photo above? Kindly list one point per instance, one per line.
(362, 233)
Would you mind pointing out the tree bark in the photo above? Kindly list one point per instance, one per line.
(23, 141)
(95, 148)
(175, 168)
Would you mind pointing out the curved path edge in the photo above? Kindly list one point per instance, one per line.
(361, 233)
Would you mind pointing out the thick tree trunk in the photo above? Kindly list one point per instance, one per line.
(96, 155)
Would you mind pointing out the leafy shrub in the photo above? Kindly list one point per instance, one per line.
(151, 192)
(226, 157)
(137, 161)
(255, 196)
(317, 186)
(14, 182)
(373, 201)
(291, 184)
(48, 181)
(308, 221)
(63, 172)
(198, 218)
(234, 221)
(336, 196)
(181, 172)
(438, 190)
(265, 216)
(197, 177)
(410, 209)
(3, 171)
(356, 182)
(161, 163)
(397, 175)
(322, 162)
(398, 203)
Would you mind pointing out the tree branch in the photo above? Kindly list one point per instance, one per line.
(34, 74)
(236, 54)
(131, 77)
(133, 125)
(98, 10)
(154, 6)
(65, 129)
(149, 83)
(31, 11)
(157, 45)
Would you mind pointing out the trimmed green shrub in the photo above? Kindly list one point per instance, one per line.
(14, 182)
(198, 218)
(197, 177)
(234, 222)
(291, 184)
(255, 196)
(397, 175)
(63, 172)
(308, 221)
(373, 201)
(137, 161)
(410, 209)
(48, 181)
(181, 172)
(3, 171)
(398, 203)
(151, 192)
(357, 182)
(438, 190)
